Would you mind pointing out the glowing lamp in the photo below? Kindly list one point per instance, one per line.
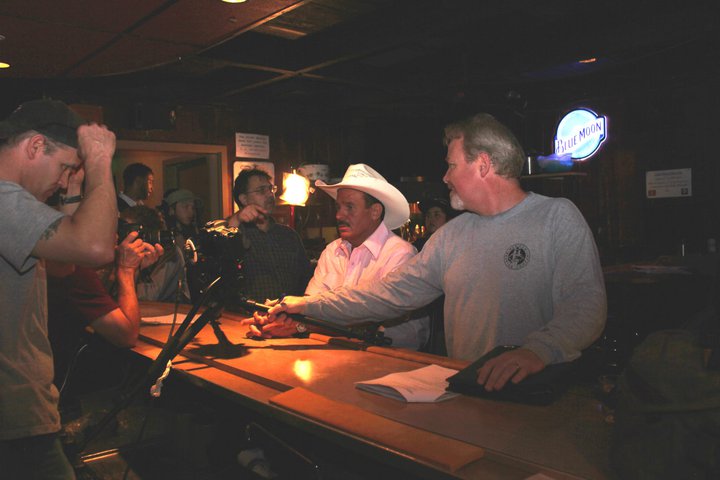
(296, 189)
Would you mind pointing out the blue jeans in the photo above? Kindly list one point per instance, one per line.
(35, 458)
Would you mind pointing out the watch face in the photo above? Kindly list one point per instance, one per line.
(300, 327)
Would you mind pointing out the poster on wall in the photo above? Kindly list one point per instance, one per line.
(668, 183)
(239, 166)
(252, 145)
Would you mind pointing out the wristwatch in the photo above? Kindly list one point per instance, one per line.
(73, 199)
(300, 327)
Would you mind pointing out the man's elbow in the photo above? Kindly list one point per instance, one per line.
(100, 253)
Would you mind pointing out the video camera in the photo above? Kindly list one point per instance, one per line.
(166, 238)
(216, 251)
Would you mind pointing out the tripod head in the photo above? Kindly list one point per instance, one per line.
(217, 251)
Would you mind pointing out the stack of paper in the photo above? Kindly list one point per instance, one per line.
(425, 384)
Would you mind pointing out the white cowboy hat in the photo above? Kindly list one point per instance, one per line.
(363, 178)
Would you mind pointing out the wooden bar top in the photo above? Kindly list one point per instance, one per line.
(568, 439)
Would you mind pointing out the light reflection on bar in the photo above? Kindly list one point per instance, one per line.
(303, 370)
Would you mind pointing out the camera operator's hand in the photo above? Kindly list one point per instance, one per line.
(152, 254)
(134, 253)
(250, 213)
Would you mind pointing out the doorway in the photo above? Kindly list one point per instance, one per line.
(202, 169)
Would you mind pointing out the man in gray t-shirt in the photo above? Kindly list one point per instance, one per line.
(516, 269)
(42, 143)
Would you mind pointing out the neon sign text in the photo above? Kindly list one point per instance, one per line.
(580, 133)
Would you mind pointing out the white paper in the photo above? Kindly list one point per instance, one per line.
(668, 183)
(252, 145)
(426, 384)
(162, 320)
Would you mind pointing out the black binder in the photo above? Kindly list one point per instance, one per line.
(539, 389)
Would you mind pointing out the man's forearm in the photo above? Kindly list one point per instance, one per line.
(127, 298)
(95, 221)
(96, 216)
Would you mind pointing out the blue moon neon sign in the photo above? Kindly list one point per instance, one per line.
(580, 133)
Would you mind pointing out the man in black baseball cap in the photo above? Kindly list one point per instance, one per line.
(43, 143)
(49, 117)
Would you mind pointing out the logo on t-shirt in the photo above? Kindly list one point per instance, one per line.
(517, 256)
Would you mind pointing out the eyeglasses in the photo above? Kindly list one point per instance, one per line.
(264, 190)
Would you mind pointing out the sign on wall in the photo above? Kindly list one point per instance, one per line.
(252, 145)
(580, 133)
(668, 183)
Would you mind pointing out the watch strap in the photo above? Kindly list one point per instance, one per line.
(73, 199)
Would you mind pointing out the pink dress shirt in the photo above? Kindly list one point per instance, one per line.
(382, 252)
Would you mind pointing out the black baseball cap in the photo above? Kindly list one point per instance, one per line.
(49, 117)
(430, 200)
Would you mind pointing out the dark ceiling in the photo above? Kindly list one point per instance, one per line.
(376, 57)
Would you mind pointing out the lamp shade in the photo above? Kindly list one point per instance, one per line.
(296, 189)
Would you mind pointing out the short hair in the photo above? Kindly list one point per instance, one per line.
(133, 171)
(16, 139)
(370, 201)
(51, 146)
(243, 179)
(483, 133)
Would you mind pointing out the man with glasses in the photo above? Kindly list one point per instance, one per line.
(276, 263)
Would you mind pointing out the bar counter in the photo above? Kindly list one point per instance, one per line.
(309, 383)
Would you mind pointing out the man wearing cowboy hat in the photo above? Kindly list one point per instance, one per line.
(516, 268)
(367, 209)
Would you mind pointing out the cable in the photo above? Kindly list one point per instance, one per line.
(71, 367)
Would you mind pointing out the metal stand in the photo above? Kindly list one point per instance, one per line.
(175, 344)
(214, 297)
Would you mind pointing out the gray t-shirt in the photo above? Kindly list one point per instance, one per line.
(529, 276)
(28, 398)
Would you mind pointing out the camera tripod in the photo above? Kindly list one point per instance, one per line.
(214, 298)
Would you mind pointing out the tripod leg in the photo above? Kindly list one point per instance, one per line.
(172, 348)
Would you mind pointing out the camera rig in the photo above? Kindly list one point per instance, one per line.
(217, 254)
(166, 238)
(217, 251)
